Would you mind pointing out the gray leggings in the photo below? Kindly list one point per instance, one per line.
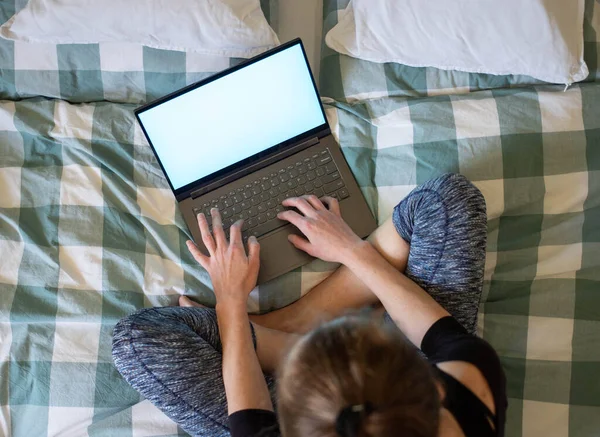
(172, 355)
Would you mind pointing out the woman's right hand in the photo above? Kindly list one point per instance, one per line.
(328, 236)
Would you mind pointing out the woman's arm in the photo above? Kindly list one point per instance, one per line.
(412, 309)
(245, 385)
(331, 239)
(234, 275)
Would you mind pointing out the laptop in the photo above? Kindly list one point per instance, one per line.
(244, 140)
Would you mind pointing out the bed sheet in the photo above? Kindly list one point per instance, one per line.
(116, 72)
(344, 78)
(90, 232)
(534, 154)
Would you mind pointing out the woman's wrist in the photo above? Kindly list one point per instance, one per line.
(356, 254)
(231, 307)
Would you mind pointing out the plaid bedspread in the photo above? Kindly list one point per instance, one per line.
(349, 79)
(89, 231)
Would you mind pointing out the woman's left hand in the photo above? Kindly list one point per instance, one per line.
(232, 272)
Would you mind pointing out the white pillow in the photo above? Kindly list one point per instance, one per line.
(538, 38)
(233, 28)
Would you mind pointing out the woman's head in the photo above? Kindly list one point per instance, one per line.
(356, 377)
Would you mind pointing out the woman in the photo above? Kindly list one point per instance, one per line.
(354, 376)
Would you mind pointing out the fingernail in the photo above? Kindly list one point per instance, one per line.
(252, 239)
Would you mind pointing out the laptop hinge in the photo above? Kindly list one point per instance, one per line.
(254, 167)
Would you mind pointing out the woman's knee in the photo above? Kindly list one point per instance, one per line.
(143, 331)
(456, 188)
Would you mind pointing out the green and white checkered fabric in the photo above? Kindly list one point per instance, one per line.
(349, 79)
(90, 232)
(535, 155)
(116, 72)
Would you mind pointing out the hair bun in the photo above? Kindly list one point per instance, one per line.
(350, 419)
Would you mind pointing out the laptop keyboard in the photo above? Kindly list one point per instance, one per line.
(259, 201)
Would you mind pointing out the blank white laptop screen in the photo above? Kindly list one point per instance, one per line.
(234, 117)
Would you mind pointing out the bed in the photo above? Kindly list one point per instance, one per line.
(90, 232)
(533, 149)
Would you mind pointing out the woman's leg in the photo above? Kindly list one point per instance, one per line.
(443, 220)
(445, 223)
(172, 356)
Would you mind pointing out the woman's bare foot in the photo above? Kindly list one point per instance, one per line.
(185, 301)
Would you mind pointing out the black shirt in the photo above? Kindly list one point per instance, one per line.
(446, 340)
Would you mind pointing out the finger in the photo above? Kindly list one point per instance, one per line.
(314, 202)
(217, 225)
(293, 217)
(332, 204)
(300, 243)
(253, 252)
(235, 235)
(301, 205)
(198, 256)
(207, 238)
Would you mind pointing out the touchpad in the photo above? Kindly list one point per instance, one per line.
(278, 255)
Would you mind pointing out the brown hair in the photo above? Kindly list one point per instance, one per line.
(356, 361)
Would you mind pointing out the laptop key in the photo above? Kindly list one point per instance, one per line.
(238, 208)
(343, 193)
(255, 201)
(330, 177)
(320, 171)
(273, 192)
(227, 212)
(299, 191)
(247, 194)
(271, 204)
(319, 192)
(251, 222)
(284, 177)
(309, 187)
(301, 180)
(229, 202)
(275, 182)
(271, 214)
(330, 168)
(303, 169)
(317, 183)
(294, 173)
(246, 204)
(264, 197)
(238, 198)
(312, 165)
(311, 175)
(262, 218)
(324, 160)
(261, 208)
(333, 186)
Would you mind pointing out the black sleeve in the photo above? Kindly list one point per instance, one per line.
(254, 423)
(447, 340)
